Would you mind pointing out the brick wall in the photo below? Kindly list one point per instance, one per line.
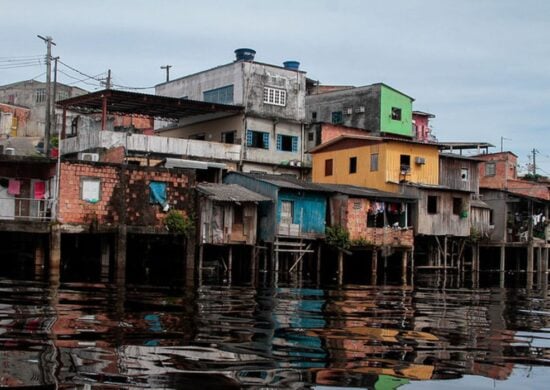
(332, 131)
(357, 210)
(124, 194)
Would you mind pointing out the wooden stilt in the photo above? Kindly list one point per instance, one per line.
(39, 259)
(105, 257)
(318, 267)
(374, 266)
(530, 265)
(120, 273)
(55, 253)
(190, 258)
(445, 252)
(340, 267)
(404, 267)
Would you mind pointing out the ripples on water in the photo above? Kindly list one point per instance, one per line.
(292, 335)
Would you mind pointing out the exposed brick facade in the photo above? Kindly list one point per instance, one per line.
(124, 194)
(330, 131)
(505, 176)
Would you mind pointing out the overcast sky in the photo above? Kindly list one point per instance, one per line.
(482, 67)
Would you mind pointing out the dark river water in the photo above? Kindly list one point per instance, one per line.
(439, 333)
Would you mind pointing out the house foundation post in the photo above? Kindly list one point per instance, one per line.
(374, 266)
(340, 267)
(404, 257)
(120, 270)
(105, 257)
(530, 264)
(55, 253)
(39, 258)
(318, 267)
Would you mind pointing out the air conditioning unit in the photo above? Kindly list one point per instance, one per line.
(88, 156)
(420, 160)
(9, 151)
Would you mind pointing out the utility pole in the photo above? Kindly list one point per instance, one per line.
(49, 42)
(535, 151)
(108, 82)
(53, 117)
(167, 67)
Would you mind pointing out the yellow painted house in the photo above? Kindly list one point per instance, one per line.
(375, 162)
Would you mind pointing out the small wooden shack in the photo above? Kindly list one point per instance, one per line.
(228, 214)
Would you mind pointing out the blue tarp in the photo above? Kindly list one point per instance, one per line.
(157, 192)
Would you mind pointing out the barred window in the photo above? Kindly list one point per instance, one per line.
(274, 96)
(40, 95)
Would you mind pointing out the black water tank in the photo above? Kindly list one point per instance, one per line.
(244, 54)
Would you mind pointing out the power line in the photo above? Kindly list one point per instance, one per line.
(78, 80)
(20, 66)
(78, 71)
(19, 57)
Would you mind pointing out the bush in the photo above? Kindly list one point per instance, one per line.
(361, 241)
(176, 222)
(337, 236)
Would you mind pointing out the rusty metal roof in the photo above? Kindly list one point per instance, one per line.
(132, 103)
(230, 193)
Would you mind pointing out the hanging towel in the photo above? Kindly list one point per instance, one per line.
(157, 192)
(14, 187)
(39, 190)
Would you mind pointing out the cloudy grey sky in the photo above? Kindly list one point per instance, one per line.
(481, 66)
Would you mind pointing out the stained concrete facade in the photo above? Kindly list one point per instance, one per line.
(271, 130)
(375, 108)
(32, 94)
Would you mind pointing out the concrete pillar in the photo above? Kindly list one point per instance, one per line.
(120, 270)
(340, 267)
(55, 252)
(502, 258)
(105, 257)
(39, 259)
(374, 266)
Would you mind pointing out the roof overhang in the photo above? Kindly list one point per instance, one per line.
(155, 106)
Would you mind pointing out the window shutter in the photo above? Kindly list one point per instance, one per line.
(266, 140)
(249, 138)
(294, 144)
(279, 141)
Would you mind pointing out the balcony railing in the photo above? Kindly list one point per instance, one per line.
(25, 209)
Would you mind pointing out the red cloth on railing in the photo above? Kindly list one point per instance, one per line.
(14, 187)
(39, 190)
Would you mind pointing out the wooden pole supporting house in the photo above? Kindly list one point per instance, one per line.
(502, 258)
(374, 266)
(318, 267)
(55, 253)
(230, 259)
(340, 267)
(445, 252)
(412, 266)
(539, 266)
(404, 267)
(530, 264)
(120, 270)
(105, 256)
(39, 258)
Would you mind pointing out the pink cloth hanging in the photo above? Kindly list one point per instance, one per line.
(14, 187)
(39, 190)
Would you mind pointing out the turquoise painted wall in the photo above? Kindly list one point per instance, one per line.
(391, 98)
(313, 206)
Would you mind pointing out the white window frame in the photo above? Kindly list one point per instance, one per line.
(275, 96)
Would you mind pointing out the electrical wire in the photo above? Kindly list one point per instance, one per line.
(83, 81)
(78, 71)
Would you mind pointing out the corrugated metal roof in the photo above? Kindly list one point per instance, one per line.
(365, 192)
(230, 193)
(286, 181)
(479, 203)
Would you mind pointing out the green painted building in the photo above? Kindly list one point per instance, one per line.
(377, 108)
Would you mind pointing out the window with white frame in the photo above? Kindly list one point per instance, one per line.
(274, 96)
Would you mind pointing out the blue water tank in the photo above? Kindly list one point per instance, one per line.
(292, 65)
(244, 54)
